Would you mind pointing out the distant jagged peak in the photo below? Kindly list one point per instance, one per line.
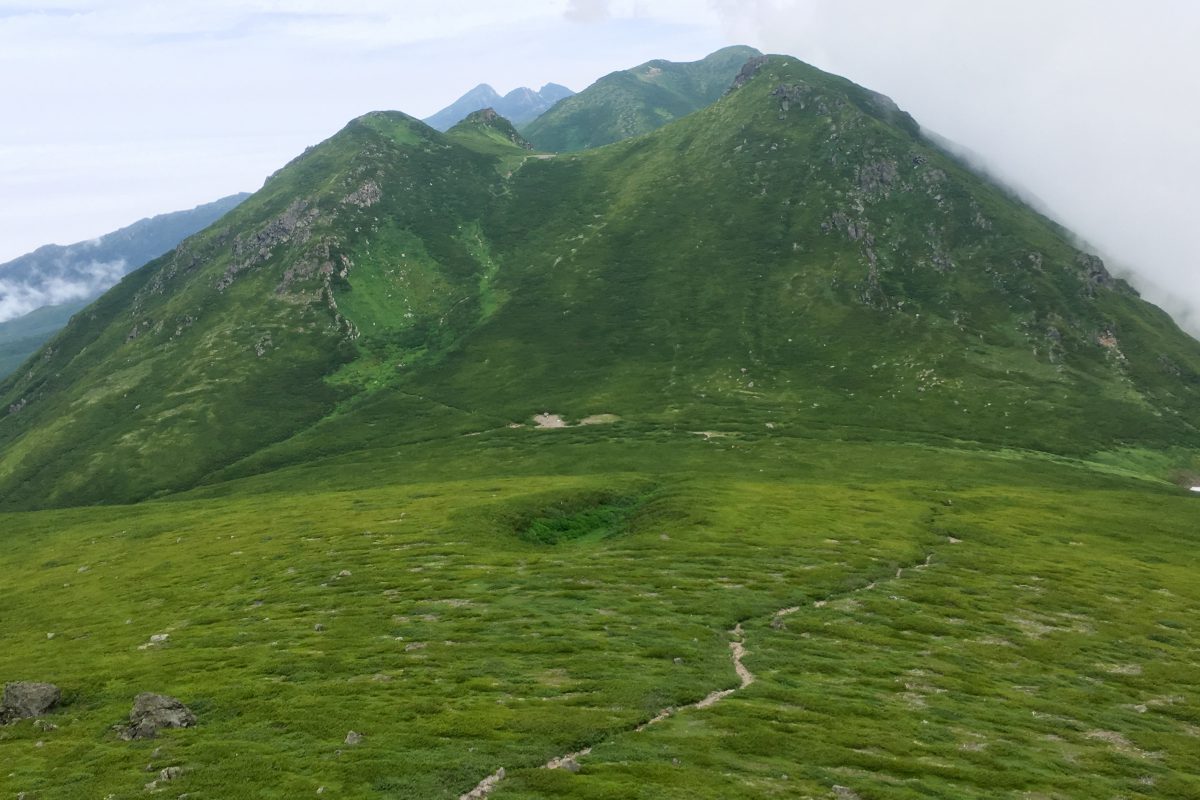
(521, 93)
(555, 90)
(483, 90)
(521, 105)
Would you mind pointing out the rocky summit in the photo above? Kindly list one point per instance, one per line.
(716, 434)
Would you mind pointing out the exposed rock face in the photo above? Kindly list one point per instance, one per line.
(1094, 273)
(26, 700)
(789, 95)
(151, 712)
(877, 177)
(365, 196)
(292, 227)
(749, 70)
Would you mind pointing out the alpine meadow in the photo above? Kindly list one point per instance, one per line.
(715, 434)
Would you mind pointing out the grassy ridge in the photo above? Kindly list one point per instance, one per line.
(636, 101)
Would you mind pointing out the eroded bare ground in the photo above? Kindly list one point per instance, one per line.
(737, 653)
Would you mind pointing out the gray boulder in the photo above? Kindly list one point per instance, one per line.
(26, 700)
(152, 712)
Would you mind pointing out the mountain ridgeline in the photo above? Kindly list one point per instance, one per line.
(791, 260)
(635, 101)
(519, 106)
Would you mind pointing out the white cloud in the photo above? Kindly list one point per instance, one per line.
(1090, 104)
(18, 298)
(588, 10)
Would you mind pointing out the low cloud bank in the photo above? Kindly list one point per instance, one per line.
(82, 281)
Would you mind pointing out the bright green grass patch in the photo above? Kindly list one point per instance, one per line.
(1039, 637)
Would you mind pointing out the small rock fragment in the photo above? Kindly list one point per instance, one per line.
(353, 738)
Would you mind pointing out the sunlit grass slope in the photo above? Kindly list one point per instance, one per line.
(954, 625)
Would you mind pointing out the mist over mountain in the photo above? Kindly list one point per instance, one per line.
(55, 274)
(39, 291)
(519, 106)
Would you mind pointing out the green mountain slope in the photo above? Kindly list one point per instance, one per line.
(792, 259)
(487, 132)
(635, 101)
(238, 329)
(21, 337)
(771, 454)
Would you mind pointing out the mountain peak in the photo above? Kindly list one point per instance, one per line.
(493, 125)
(638, 100)
(520, 105)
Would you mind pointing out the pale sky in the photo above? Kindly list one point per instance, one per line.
(118, 109)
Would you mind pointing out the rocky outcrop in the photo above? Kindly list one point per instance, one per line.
(26, 700)
(153, 712)
(877, 177)
(791, 94)
(1094, 273)
(748, 71)
(364, 196)
(292, 227)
